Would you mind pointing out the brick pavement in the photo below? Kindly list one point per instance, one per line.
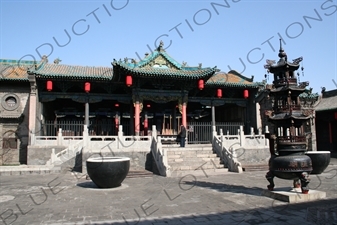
(68, 198)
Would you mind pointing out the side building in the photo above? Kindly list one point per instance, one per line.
(326, 122)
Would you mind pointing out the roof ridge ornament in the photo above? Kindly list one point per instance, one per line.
(282, 54)
(298, 60)
(44, 60)
(160, 47)
(57, 60)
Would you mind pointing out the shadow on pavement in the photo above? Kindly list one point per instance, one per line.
(318, 212)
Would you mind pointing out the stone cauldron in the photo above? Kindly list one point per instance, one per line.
(108, 172)
(320, 160)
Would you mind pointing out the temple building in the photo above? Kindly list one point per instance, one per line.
(41, 99)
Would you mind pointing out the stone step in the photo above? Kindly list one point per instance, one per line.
(195, 164)
(28, 170)
(194, 160)
(189, 153)
(188, 174)
(136, 174)
(192, 156)
(189, 149)
(248, 168)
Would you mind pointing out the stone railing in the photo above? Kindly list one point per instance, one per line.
(232, 147)
(159, 154)
(96, 143)
(245, 141)
(227, 156)
(66, 154)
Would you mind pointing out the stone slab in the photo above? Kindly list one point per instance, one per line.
(293, 195)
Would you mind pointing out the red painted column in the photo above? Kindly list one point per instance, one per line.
(116, 123)
(137, 119)
(184, 122)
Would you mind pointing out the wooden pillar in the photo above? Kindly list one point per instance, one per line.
(174, 125)
(116, 123)
(32, 110)
(213, 115)
(86, 114)
(137, 118)
(146, 124)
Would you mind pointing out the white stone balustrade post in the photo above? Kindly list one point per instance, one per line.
(59, 137)
(154, 131)
(222, 143)
(214, 131)
(120, 130)
(52, 156)
(242, 137)
(120, 135)
(266, 139)
(159, 147)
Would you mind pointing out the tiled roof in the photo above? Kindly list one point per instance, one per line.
(231, 79)
(309, 95)
(60, 71)
(14, 70)
(328, 101)
(160, 64)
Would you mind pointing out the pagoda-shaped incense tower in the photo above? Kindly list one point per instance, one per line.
(288, 143)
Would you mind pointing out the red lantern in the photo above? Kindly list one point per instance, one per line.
(49, 85)
(219, 93)
(128, 80)
(245, 94)
(87, 87)
(201, 84)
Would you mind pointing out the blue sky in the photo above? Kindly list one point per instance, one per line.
(239, 35)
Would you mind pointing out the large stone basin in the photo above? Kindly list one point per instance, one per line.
(320, 160)
(108, 172)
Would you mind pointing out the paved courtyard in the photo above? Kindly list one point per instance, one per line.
(69, 198)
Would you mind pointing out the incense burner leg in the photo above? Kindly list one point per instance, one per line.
(304, 177)
(297, 183)
(270, 177)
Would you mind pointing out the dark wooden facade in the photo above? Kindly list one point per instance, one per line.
(326, 122)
